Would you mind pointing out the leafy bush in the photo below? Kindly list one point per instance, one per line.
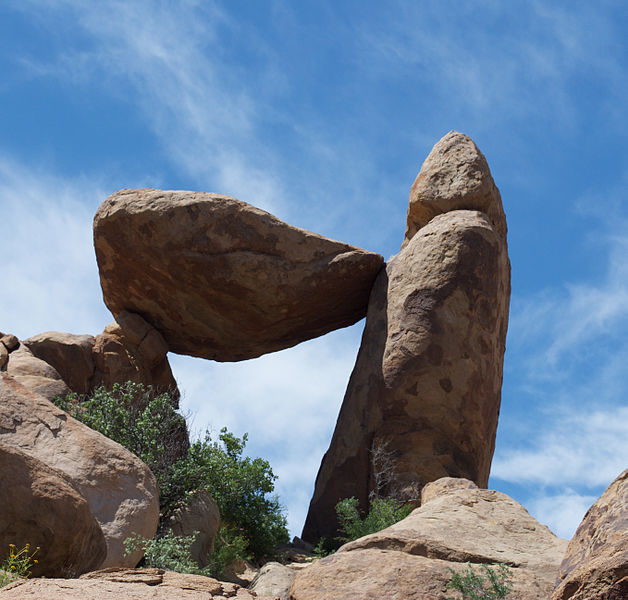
(494, 584)
(169, 552)
(144, 423)
(17, 565)
(383, 512)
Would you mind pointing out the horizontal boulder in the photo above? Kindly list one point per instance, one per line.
(221, 279)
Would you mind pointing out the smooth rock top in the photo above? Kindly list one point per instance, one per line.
(221, 279)
(454, 176)
(596, 562)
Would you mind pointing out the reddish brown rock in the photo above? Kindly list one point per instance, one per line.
(221, 279)
(119, 488)
(454, 176)
(129, 584)
(42, 507)
(595, 566)
(411, 559)
(427, 380)
(129, 349)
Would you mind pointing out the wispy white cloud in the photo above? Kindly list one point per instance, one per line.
(49, 273)
(562, 513)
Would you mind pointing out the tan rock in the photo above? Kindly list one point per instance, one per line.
(274, 579)
(427, 380)
(10, 341)
(4, 356)
(42, 507)
(70, 355)
(454, 176)
(444, 485)
(222, 279)
(130, 584)
(119, 488)
(595, 566)
(35, 374)
(411, 559)
(200, 517)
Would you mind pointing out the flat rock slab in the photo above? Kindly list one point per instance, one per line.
(411, 560)
(221, 279)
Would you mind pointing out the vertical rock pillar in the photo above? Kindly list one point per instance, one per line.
(427, 380)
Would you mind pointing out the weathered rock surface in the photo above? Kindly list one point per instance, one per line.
(119, 488)
(221, 279)
(130, 584)
(274, 579)
(595, 566)
(410, 559)
(35, 374)
(42, 507)
(454, 176)
(427, 381)
(200, 517)
(129, 349)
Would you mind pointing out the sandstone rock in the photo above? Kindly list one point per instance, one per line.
(129, 349)
(4, 356)
(200, 514)
(10, 341)
(42, 507)
(595, 566)
(70, 355)
(274, 579)
(410, 559)
(119, 488)
(35, 374)
(427, 381)
(444, 485)
(130, 584)
(221, 279)
(454, 176)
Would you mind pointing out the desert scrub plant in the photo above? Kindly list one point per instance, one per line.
(494, 583)
(142, 421)
(382, 513)
(17, 565)
(170, 552)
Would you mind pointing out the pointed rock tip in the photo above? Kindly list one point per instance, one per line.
(454, 176)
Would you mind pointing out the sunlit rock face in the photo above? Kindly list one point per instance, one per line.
(221, 279)
(596, 562)
(427, 381)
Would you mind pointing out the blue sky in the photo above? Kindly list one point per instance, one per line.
(322, 112)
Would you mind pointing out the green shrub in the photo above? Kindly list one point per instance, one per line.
(383, 512)
(17, 565)
(493, 584)
(148, 425)
(169, 552)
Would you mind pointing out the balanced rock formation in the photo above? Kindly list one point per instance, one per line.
(119, 488)
(411, 559)
(42, 507)
(129, 349)
(595, 566)
(130, 584)
(454, 176)
(221, 279)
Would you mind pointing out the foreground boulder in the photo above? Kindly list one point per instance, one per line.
(130, 584)
(221, 279)
(119, 488)
(595, 566)
(42, 507)
(411, 559)
(427, 380)
(454, 176)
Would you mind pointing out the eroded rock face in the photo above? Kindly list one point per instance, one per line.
(454, 176)
(130, 584)
(595, 566)
(427, 380)
(221, 279)
(43, 508)
(411, 559)
(119, 488)
(129, 349)
(274, 579)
